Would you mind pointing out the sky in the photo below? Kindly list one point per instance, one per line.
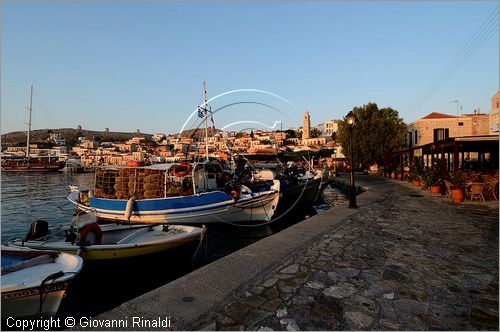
(140, 65)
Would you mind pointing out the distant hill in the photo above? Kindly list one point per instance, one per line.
(18, 138)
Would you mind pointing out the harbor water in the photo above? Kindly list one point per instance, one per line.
(27, 197)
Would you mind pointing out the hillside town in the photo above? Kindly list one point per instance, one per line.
(160, 147)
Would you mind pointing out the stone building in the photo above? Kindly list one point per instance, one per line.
(438, 126)
(307, 126)
(494, 114)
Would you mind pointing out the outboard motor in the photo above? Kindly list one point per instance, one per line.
(38, 229)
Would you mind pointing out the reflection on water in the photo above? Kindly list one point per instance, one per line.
(27, 197)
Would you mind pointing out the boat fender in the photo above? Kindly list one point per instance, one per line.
(37, 230)
(129, 209)
(90, 228)
(181, 170)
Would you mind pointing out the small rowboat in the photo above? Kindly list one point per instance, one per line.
(94, 241)
(34, 281)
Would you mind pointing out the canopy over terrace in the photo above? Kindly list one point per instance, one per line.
(478, 153)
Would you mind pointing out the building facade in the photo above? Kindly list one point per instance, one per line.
(494, 114)
(438, 126)
(306, 128)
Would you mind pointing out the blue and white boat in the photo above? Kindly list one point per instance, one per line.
(175, 194)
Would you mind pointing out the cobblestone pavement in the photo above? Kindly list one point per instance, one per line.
(411, 261)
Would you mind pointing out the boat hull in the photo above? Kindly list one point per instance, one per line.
(102, 252)
(34, 282)
(25, 303)
(32, 166)
(298, 196)
(212, 207)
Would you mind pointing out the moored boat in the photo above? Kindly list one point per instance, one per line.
(176, 194)
(29, 163)
(299, 186)
(34, 281)
(99, 242)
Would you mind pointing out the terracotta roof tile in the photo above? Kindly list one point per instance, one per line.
(436, 115)
(472, 114)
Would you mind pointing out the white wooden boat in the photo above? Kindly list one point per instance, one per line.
(34, 281)
(93, 241)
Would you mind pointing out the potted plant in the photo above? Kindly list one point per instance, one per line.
(417, 171)
(456, 188)
(433, 180)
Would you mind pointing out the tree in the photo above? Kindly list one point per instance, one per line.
(291, 133)
(377, 131)
(315, 132)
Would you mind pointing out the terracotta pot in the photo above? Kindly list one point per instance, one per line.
(393, 175)
(400, 176)
(417, 183)
(457, 195)
(435, 189)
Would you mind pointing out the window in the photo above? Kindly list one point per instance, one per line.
(460, 123)
(416, 137)
(441, 133)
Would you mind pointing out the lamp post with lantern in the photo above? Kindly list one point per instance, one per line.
(351, 123)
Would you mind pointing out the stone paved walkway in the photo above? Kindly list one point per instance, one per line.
(411, 261)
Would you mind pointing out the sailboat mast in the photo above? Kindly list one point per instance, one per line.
(205, 106)
(29, 124)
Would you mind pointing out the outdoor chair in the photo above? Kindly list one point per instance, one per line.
(448, 185)
(486, 178)
(476, 191)
(490, 189)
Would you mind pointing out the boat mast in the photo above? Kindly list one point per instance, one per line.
(205, 107)
(29, 125)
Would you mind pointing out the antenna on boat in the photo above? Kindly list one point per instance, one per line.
(205, 107)
(29, 125)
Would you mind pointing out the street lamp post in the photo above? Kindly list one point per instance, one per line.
(351, 122)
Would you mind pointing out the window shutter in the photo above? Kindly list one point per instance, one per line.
(446, 133)
(435, 135)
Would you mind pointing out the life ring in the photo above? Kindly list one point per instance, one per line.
(182, 169)
(91, 228)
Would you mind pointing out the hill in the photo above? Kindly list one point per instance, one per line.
(18, 138)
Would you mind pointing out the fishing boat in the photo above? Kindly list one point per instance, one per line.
(34, 281)
(99, 242)
(199, 193)
(29, 163)
(300, 186)
(184, 193)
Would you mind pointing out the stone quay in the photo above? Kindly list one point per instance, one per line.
(406, 259)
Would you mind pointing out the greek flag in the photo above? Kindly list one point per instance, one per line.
(201, 112)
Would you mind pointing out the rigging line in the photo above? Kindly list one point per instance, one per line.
(480, 43)
(480, 32)
(477, 46)
(38, 100)
(430, 90)
(473, 48)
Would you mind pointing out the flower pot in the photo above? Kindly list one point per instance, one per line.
(435, 189)
(400, 176)
(393, 175)
(417, 183)
(457, 195)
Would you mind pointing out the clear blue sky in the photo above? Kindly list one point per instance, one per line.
(141, 65)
